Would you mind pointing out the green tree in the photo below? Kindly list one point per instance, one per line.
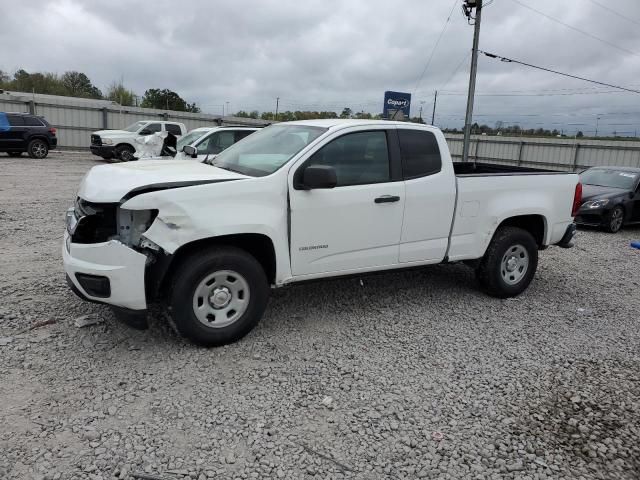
(579, 134)
(346, 113)
(118, 93)
(166, 99)
(77, 84)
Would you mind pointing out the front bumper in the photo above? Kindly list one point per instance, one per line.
(593, 217)
(123, 267)
(107, 151)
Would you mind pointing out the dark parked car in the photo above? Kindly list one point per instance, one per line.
(23, 132)
(610, 197)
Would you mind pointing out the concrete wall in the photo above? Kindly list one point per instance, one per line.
(557, 153)
(76, 118)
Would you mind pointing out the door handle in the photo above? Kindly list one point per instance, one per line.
(387, 199)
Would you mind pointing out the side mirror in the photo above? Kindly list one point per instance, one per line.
(319, 176)
(190, 150)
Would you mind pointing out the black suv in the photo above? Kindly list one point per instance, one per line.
(23, 132)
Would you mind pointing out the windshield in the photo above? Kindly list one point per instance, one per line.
(609, 178)
(189, 138)
(265, 151)
(134, 127)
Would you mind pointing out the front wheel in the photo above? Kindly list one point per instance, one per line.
(38, 148)
(615, 219)
(218, 296)
(509, 263)
(125, 153)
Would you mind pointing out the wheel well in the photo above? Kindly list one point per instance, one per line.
(39, 137)
(124, 144)
(257, 245)
(534, 224)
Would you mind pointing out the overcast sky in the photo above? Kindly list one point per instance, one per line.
(330, 54)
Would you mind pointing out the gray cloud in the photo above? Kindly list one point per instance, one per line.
(328, 54)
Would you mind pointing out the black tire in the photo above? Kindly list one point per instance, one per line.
(188, 279)
(615, 220)
(38, 148)
(125, 153)
(14, 154)
(493, 273)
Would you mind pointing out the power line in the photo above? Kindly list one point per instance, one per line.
(455, 71)
(435, 46)
(510, 60)
(617, 14)
(553, 19)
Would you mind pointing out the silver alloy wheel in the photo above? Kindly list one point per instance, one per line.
(221, 298)
(616, 219)
(514, 264)
(39, 150)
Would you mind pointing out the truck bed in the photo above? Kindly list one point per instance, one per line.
(467, 169)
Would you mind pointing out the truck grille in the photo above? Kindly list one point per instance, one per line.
(96, 140)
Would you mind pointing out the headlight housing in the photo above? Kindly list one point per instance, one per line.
(107, 141)
(592, 204)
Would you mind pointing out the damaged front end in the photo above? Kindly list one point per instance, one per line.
(107, 257)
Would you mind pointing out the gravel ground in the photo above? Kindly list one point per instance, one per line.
(405, 375)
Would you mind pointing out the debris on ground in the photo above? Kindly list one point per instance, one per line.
(87, 321)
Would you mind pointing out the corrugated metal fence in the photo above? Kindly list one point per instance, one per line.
(76, 118)
(557, 153)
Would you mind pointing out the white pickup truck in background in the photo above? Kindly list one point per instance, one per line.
(121, 144)
(298, 201)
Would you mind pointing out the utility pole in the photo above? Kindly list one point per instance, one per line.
(597, 121)
(228, 109)
(433, 115)
(277, 103)
(468, 7)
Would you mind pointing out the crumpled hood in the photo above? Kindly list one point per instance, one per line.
(114, 133)
(110, 183)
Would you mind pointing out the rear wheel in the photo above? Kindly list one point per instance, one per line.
(217, 297)
(38, 148)
(615, 219)
(14, 154)
(125, 153)
(509, 264)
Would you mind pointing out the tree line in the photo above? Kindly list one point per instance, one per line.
(289, 116)
(78, 84)
(511, 130)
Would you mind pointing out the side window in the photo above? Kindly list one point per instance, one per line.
(173, 128)
(32, 122)
(358, 158)
(420, 153)
(240, 134)
(153, 128)
(203, 146)
(15, 120)
(225, 140)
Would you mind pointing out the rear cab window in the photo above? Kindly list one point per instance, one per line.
(420, 153)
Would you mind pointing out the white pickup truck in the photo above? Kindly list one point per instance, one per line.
(299, 201)
(121, 144)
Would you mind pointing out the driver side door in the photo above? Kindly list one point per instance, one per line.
(356, 225)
